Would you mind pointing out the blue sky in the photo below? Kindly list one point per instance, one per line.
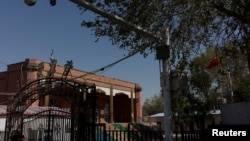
(32, 32)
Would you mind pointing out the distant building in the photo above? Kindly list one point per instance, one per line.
(117, 100)
(214, 117)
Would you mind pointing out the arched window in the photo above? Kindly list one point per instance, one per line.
(106, 112)
(53, 103)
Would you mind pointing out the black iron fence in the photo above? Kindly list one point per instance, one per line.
(195, 135)
(54, 125)
(103, 133)
(128, 133)
(132, 133)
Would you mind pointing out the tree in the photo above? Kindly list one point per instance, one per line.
(181, 108)
(194, 25)
(153, 105)
(201, 79)
(208, 85)
(241, 88)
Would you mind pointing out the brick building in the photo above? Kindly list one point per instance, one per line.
(117, 100)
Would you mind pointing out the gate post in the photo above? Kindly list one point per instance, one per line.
(129, 134)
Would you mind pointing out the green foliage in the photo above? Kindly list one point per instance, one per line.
(195, 27)
(201, 80)
(241, 88)
(193, 24)
(181, 107)
(211, 84)
(153, 105)
(199, 76)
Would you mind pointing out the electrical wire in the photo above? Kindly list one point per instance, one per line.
(3, 63)
(116, 62)
(107, 66)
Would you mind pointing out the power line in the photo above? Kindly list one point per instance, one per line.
(3, 63)
(107, 66)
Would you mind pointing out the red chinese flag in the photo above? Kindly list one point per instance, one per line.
(213, 63)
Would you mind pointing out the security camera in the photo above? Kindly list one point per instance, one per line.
(30, 2)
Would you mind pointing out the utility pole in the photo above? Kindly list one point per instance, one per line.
(166, 91)
(117, 19)
(163, 54)
(230, 84)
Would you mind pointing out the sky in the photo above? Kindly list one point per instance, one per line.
(34, 31)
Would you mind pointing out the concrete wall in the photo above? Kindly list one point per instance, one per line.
(236, 113)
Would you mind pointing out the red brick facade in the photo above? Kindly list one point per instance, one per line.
(117, 100)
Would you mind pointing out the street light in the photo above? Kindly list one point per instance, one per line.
(52, 2)
(33, 2)
(30, 2)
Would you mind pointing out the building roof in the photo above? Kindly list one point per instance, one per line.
(215, 112)
(212, 112)
(32, 110)
(158, 115)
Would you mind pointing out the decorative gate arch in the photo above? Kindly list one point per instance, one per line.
(81, 97)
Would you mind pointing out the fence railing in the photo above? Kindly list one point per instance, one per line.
(115, 132)
(132, 134)
(128, 133)
(195, 135)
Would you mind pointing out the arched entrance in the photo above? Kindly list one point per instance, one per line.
(122, 108)
(80, 96)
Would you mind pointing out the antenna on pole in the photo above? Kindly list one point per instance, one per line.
(167, 36)
(51, 55)
(52, 65)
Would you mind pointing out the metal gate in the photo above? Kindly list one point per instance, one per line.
(47, 125)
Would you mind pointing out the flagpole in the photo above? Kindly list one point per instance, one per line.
(230, 84)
